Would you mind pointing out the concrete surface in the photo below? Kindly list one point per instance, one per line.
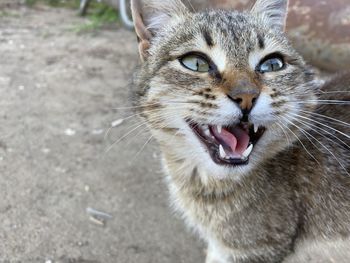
(59, 90)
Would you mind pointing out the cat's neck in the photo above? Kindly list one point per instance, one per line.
(193, 182)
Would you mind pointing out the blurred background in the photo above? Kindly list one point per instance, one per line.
(80, 174)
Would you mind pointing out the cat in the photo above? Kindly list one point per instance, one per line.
(255, 148)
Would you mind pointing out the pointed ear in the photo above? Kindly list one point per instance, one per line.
(273, 11)
(150, 16)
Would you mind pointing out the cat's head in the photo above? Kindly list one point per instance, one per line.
(220, 89)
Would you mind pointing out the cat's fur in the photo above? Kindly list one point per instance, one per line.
(295, 190)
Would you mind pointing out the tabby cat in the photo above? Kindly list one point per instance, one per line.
(255, 148)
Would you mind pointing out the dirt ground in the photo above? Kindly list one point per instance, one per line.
(59, 90)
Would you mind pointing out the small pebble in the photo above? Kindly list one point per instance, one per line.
(97, 221)
(46, 150)
(117, 123)
(60, 170)
(97, 131)
(96, 213)
(70, 132)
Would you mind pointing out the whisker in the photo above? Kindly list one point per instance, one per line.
(153, 104)
(285, 133)
(327, 126)
(135, 107)
(137, 125)
(169, 106)
(311, 126)
(140, 132)
(325, 102)
(138, 115)
(107, 132)
(336, 91)
(302, 130)
(143, 146)
(327, 117)
(150, 138)
(148, 111)
(189, 3)
(296, 136)
(125, 135)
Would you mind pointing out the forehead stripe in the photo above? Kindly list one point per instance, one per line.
(208, 38)
(261, 42)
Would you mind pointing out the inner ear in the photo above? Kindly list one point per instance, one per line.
(150, 16)
(274, 12)
(143, 34)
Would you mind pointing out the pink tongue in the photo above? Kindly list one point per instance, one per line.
(236, 139)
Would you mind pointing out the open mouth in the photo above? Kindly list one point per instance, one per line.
(231, 145)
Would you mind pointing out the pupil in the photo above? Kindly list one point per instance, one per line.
(274, 65)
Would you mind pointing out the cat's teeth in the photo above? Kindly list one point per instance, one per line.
(248, 151)
(256, 127)
(219, 127)
(222, 151)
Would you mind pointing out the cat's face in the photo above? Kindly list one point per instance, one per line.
(220, 90)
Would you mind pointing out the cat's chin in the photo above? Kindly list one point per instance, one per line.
(209, 170)
(230, 145)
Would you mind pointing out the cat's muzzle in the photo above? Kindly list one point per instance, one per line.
(230, 145)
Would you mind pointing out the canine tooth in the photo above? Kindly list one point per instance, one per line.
(206, 132)
(222, 151)
(219, 128)
(256, 127)
(247, 152)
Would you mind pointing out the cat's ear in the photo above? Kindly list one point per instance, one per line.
(274, 11)
(150, 16)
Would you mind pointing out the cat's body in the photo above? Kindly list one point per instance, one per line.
(263, 217)
(285, 202)
(257, 161)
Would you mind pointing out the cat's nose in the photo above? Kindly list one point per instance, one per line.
(244, 98)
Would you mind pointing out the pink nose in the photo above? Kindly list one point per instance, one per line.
(245, 100)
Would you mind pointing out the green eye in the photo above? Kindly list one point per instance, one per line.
(271, 65)
(195, 63)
